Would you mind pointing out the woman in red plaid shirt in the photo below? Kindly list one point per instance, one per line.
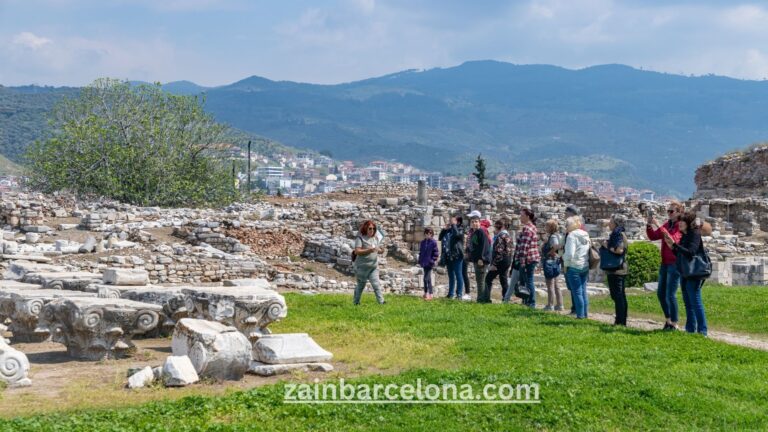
(527, 253)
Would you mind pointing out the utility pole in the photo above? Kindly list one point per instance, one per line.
(249, 166)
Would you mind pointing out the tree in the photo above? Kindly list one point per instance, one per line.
(136, 144)
(326, 153)
(480, 171)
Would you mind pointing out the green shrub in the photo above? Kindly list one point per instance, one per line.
(644, 259)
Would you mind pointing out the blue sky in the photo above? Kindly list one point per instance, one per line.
(72, 42)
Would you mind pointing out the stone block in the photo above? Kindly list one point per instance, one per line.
(178, 371)
(142, 378)
(217, 351)
(289, 348)
(122, 276)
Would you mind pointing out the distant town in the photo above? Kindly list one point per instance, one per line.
(306, 173)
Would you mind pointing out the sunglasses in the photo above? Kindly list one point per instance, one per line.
(670, 211)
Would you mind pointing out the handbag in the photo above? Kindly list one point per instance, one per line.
(551, 267)
(594, 258)
(610, 261)
(698, 267)
(520, 288)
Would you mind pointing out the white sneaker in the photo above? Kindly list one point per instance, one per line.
(466, 297)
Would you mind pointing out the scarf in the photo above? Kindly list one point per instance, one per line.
(615, 240)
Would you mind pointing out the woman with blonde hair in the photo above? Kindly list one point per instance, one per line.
(669, 277)
(576, 261)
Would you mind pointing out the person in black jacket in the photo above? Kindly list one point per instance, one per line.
(690, 244)
(478, 253)
(503, 249)
(452, 238)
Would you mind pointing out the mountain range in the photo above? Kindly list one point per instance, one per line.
(635, 127)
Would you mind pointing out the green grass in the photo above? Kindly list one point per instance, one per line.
(739, 309)
(592, 376)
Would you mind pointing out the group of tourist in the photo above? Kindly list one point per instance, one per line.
(514, 262)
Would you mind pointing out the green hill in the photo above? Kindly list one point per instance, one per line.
(647, 129)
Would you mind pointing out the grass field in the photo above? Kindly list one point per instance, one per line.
(591, 376)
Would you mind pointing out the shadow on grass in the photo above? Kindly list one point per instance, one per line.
(608, 328)
(50, 357)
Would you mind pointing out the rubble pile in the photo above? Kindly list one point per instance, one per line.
(269, 242)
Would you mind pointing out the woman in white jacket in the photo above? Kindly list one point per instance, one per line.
(576, 263)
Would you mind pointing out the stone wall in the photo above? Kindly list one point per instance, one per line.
(735, 175)
(186, 267)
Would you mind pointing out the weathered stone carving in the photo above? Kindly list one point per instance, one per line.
(216, 350)
(23, 308)
(14, 366)
(98, 328)
(170, 298)
(76, 281)
(249, 309)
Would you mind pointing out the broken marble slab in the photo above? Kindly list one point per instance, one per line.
(30, 258)
(216, 350)
(66, 280)
(178, 371)
(20, 267)
(17, 285)
(14, 366)
(125, 276)
(98, 328)
(265, 370)
(289, 348)
(23, 308)
(142, 378)
(250, 309)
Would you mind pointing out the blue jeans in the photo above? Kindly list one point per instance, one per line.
(529, 268)
(669, 279)
(578, 281)
(455, 278)
(570, 291)
(696, 320)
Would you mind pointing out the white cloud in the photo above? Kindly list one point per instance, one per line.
(333, 41)
(366, 7)
(76, 60)
(30, 40)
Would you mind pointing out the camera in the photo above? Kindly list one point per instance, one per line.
(645, 210)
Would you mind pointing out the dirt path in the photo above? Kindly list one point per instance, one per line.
(651, 325)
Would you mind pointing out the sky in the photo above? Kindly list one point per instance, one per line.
(73, 42)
